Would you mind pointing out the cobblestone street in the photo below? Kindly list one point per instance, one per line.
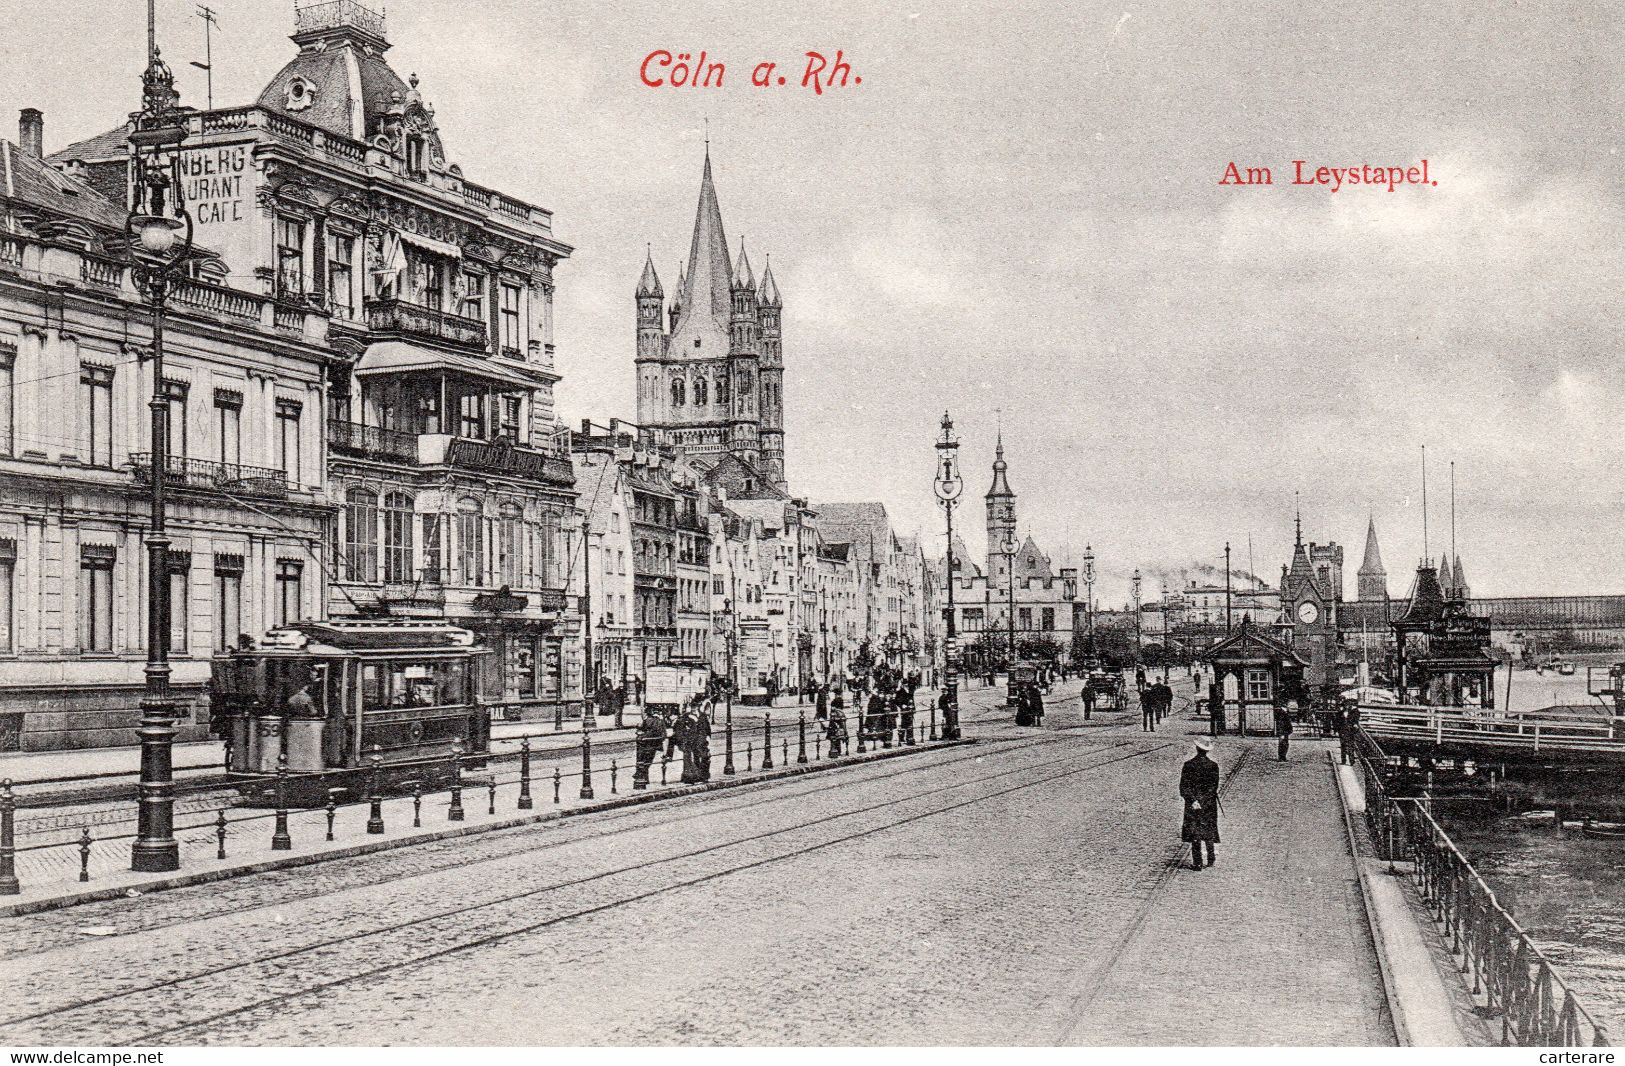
(1021, 890)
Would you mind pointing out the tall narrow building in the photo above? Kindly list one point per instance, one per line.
(1372, 578)
(1001, 520)
(714, 383)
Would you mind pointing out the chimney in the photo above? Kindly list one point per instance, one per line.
(31, 132)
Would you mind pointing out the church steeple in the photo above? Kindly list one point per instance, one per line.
(1372, 577)
(708, 289)
(1001, 518)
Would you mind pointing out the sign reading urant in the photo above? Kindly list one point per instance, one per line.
(212, 181)
(219, 183)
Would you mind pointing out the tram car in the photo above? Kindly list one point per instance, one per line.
(328, 695)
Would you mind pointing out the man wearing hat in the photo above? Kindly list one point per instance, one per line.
(1199, 788)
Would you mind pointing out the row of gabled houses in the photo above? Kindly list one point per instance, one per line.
(360, 372)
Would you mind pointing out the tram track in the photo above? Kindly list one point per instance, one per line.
(421, 929)
(59, 822)
(602, 826)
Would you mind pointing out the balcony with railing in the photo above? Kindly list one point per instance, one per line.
(371, 442)
(415, 320)
(229, 478)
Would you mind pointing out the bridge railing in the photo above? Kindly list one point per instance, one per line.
(1508, 973)
(1486, 727)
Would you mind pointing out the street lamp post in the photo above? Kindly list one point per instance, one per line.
(161, 232)
(1136, 586)
(949, 486)
(1010, 620)
(1227, 587)
(1089, 593)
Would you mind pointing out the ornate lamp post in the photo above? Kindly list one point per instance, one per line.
(1136, 586)
(161, 235)
(949, 487)
(1089, 593)
(1009, 549)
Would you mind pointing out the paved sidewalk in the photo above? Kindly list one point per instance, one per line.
(1271, 945)
(49, 876)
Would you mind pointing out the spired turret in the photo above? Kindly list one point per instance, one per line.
(769, 306)
(651, 340)
(1372, 578)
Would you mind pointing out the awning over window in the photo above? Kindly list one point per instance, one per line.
(429, 244)
(397, 357)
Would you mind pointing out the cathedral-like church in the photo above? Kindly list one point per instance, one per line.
(711, 376)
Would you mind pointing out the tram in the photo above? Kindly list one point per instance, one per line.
(329, 695)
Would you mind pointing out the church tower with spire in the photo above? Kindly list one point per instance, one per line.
(1001, 520)
(1372, 579)
(712, 381)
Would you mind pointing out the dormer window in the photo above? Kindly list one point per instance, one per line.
(416, 155)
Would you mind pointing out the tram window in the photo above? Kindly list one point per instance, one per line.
(372, 686)
(453, 682)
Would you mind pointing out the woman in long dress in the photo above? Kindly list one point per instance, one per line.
(836, 730)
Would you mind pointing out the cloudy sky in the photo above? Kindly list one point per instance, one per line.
(1020, 210)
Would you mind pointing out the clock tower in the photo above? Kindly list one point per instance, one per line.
(1309, 599)
(1001, 520)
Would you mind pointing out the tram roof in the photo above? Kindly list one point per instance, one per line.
(396, 634)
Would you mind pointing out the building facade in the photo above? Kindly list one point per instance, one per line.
(248, 516)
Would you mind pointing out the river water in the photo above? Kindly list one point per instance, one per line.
(1566, 889)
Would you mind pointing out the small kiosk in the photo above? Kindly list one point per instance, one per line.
(1253, 675)
(1443, 652)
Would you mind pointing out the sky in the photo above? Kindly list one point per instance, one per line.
(1018, 217)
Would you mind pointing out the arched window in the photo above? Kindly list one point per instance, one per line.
(699, 392)
(470, 542)
(360, 535)
(508, 544)
(677, 392)
(397, 538)
(722, 387)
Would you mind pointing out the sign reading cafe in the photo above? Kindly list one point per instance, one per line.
(212, 181)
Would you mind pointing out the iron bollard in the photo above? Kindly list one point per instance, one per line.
(491, 795)
(586, 765)
(417, 805)
(818, 746)
(557, 780)
(861, 730)
(784, 751)
(767, 742)
(220, 834)
(332, 813)
(454, 813)
(375, 819)
(227, 767)
(613, 770)
(525, 802)
(801, 737)
(558, 717)
(9, 885)
(728, 735)
(665, 761)
(748, 755)
(280, 840)
(84, 855)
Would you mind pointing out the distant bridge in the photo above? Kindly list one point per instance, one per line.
(1574, 621)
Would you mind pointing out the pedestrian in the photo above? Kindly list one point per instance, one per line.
(905, 714)
(836, 730)
(1165, 700)
(821, 709)
(1024, 707)
(1283, 730)
(1199, 788)
(1088, 701)
(945, 711)
(1148, 712)
(1139, 678)
(874, 718)
(699, 741)
(650, 736)
(1038, 705)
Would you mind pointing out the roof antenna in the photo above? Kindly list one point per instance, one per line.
(1452, 508)
(1425, 556)
(207, 66)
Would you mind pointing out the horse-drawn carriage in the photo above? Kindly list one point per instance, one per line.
(1107, 689)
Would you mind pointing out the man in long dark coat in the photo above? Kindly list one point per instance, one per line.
(1148, 711)
(1088, 700)
(699, 743)
(1199, 788)
(905, 714)
(1283, 732)
(1037, 703)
